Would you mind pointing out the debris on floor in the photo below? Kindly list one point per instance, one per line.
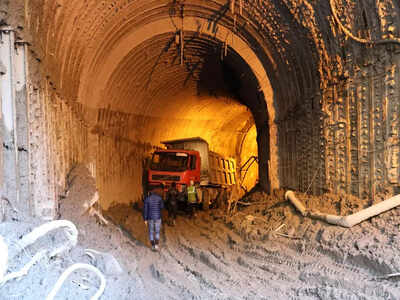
(265, 250)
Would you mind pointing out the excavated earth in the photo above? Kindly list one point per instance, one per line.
(264, 250)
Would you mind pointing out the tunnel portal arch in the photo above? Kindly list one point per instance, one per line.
(100, 74)
(321, 77)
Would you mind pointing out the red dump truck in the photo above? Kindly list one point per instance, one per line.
(190, 159)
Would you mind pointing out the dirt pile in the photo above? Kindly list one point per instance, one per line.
(112, 254)
(372, 244)
(257, 214)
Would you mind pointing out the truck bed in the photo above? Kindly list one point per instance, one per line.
(222, 171)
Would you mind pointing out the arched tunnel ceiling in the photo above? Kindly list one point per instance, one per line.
(298, 43)
(86, 32)
(170, 98)
(162, 74)
(123, 58)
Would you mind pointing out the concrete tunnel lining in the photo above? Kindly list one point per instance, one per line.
(223, 119)
(309, 62)
(336, 124)
(107, 74)
(97, 46)
(101, 75)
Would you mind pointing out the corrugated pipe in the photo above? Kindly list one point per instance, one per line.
(345, 221)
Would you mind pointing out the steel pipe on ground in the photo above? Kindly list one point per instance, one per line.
(345, 221)
(296, 202)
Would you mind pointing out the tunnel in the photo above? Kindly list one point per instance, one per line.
(193, 94)
(291, 83)
(303, 95)
(162, 72)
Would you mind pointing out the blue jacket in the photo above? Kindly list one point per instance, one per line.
(153, 205)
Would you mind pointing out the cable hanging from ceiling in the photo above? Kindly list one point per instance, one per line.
(355, 38)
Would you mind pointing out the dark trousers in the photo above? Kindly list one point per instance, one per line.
(172, 210)
(191, 208)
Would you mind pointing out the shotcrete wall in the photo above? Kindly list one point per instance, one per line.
(58, 140)
(345, 137)
(42, 135)
(320, 81)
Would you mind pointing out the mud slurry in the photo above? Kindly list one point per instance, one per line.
(212, 258)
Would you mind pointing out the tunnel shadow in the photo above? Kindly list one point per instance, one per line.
(223, 76)
(211, 79)
(234, 78)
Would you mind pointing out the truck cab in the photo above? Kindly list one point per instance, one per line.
(178, 166)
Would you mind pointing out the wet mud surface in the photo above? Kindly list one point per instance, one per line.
(243, 257)
(265, 250)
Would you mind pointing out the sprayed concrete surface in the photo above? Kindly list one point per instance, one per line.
(310, 87)
(213, 257)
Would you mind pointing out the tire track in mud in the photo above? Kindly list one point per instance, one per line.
(239, 263)
(178, 249)
(322, 267)
(205, 259)
(310, 264)
(315, 268)
(233, 244)
(249, 258)
(334, 268)
(201, 255)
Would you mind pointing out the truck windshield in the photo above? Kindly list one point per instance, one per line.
(169, 161)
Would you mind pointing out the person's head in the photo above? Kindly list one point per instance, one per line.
(173, 184)
(191, 182)
(158, 189)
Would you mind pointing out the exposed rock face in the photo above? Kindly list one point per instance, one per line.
(108, 80)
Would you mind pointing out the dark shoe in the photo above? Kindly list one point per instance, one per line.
(153, 245)
(156, 245)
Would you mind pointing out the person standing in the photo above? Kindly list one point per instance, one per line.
(192, 198)
(153, 204)
(172, 203)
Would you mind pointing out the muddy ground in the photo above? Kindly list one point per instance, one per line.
(217, 257)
